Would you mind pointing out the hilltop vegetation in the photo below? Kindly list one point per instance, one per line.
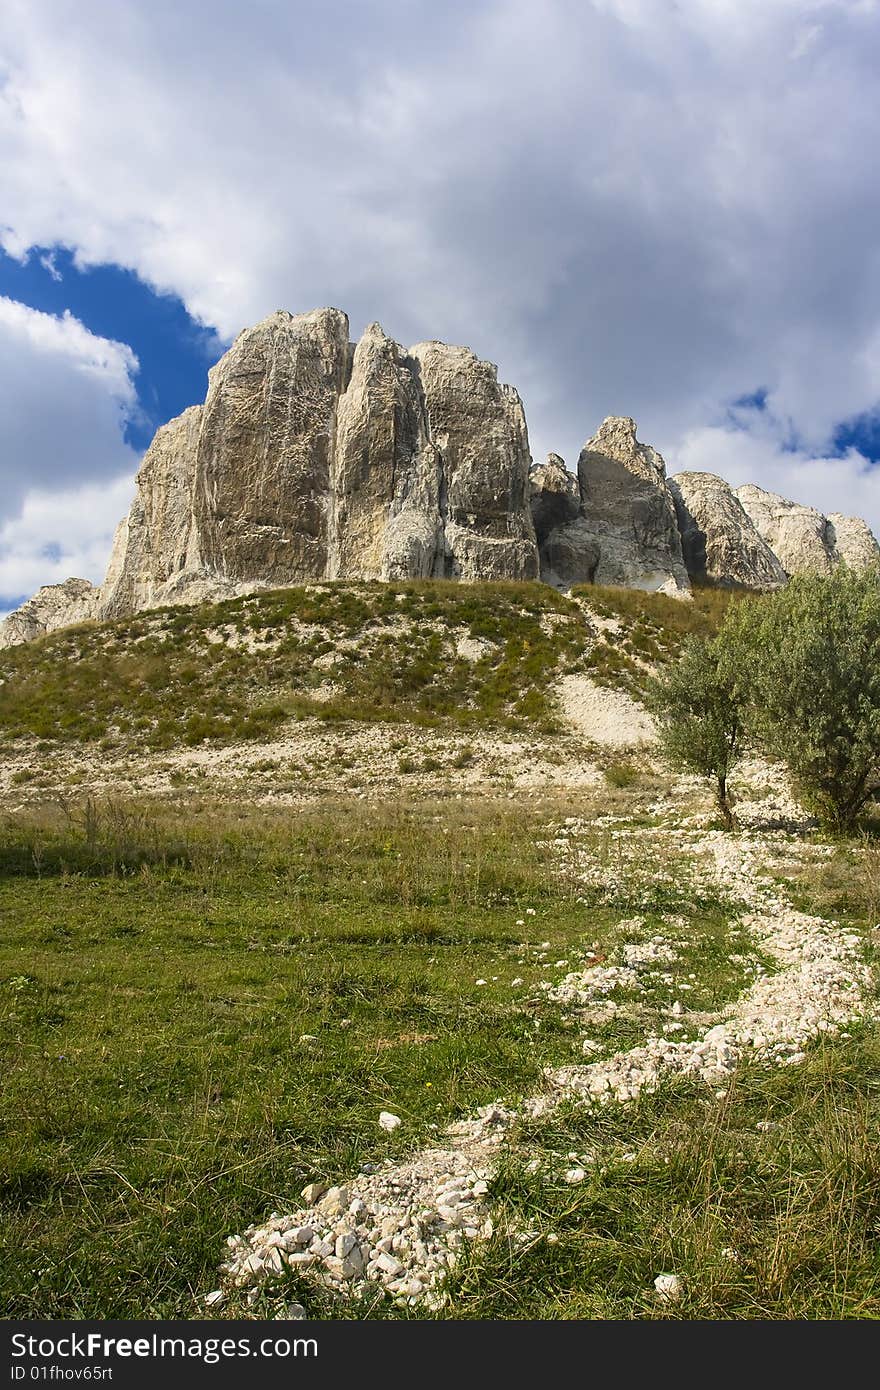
(430, 654)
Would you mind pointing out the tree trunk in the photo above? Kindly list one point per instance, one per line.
(724, 804)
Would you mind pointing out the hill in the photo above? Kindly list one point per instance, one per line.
(359, 957)
(288, 685)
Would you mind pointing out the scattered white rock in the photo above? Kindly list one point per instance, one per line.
(404, 1224)
(669, 1288)
(311, 1193)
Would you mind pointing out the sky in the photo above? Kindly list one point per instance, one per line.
(666, 209)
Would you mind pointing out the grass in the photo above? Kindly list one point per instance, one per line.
(650, 630)
(205, 1006)
(237, 671)
(201, 1011)
(766, 1205)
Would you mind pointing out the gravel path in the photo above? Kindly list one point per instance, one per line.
(401, 1228)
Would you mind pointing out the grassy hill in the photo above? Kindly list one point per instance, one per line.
(431, 654)
(207, 995)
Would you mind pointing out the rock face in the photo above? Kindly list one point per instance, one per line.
(797, 535)
(852, 541)
(568, 550)
(313, 458)
(803, 540)
(479, 428)
(157, 543)
(629, 511)
(719, 540)
(385, 517)
(55, 605)
(265, 450)
(555, 497)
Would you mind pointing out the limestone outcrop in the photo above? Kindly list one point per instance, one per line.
(796, 534)
(157, 542)
(852, 541)
(385, 519)
(803, 540)
(719, 540)
(55, 605)
(555, 497)
(569, 552)
(629, 511)
(479, 427)
(314, 458)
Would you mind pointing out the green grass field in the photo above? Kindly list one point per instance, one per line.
(202, 1010)
(205, 1005)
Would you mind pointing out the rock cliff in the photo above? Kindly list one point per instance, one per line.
(803, 540)
(313, 458)
(721, 543)
(55, 605)
(613, 524)
(316, 458)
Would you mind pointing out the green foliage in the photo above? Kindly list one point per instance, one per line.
(699, 712)
(799, 672)
(234, 671)
(812, 676)
(650, 631)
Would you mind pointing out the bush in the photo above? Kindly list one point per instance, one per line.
(699, 713)
(813, 682)
(799, 671)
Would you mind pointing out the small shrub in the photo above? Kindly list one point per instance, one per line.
(621, 774)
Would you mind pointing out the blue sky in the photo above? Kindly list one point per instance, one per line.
(174, 352)
(668, 211)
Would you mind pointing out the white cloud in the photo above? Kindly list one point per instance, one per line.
(65, 395)
(63, 338)
(634, 208)
(59, 534)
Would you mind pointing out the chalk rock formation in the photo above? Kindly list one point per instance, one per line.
(157, 543)
(797, 535)
(479, 429)
(55, 605)
(719, 540)
(853, 541)
(555, 496)
(314, 459)
(629, 511)
(803, 540)
(569, 551)
(385, 509)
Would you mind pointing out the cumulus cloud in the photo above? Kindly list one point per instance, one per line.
(61, 533)
(65, 395)
(634, 208)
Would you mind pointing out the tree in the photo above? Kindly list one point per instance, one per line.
(811, 672)
(699, 711)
